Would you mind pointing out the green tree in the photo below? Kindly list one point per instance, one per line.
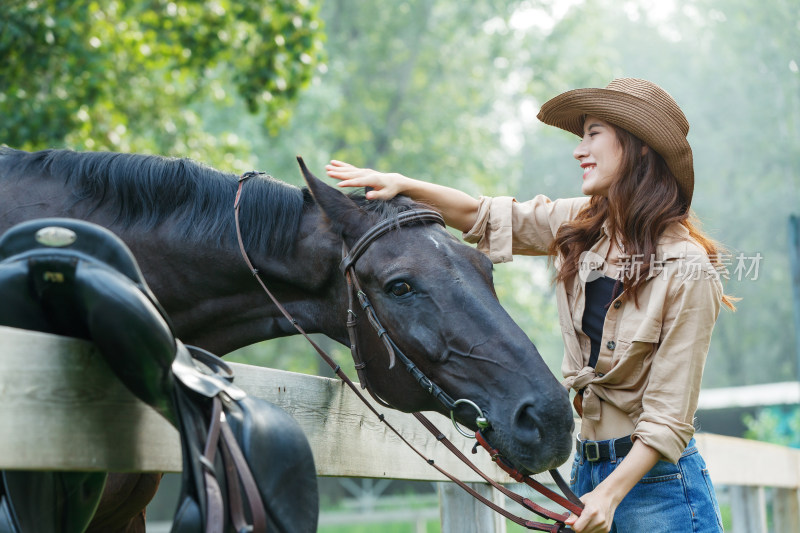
(739, 66)
(441, 90)
(776, 424)
(418, 87)
(732, 66)
(134, 76)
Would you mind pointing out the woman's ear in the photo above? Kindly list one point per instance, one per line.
(645, 149)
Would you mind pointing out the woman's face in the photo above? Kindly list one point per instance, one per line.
(600, 156)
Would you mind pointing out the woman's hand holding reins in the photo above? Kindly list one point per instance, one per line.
(601, 503)
(597, 515)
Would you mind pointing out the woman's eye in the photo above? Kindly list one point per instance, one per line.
(400, 288)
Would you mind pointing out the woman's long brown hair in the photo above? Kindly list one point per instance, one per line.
(639, 207)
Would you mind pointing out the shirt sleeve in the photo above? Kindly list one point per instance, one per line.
(505, 227)
(670, 397)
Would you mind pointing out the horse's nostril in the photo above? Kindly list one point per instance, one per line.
(527, 424)
(541, 432)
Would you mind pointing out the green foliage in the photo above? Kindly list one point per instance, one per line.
(418, 87)
(779, 425)
(397, 527)
(733, 67)
(134, 76)
(295, 354)
(446, 91)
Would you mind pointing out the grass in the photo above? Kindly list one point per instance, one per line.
(431, 526)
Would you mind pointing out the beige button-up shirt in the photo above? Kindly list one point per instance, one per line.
(651, 356)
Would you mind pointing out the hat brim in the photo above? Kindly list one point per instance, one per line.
(646, 121)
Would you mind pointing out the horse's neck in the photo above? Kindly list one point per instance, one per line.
(211, 297)
(215, 302)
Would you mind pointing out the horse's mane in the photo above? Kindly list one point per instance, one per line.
(144, 191)
(384, 209)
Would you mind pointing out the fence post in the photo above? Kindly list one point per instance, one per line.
(786, 510)
(461, 513)
(748, 509)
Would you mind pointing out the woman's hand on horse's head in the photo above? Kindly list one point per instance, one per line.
(385, 186)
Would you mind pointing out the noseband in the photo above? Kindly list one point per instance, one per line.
(347, 266)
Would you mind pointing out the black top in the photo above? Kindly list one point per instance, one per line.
(599, 295)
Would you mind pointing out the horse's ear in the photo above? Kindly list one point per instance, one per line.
(345, 216)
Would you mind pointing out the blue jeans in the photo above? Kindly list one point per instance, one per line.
(668, 499)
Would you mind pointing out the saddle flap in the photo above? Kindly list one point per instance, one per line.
(242, 455)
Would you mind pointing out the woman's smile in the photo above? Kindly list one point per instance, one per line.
(600, 155)
(587, 168)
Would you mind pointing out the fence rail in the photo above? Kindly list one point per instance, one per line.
(64, 410)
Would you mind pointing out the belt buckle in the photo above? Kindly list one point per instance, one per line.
(595, 448)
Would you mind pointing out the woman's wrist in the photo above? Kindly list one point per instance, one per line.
(634, 466)
(422, 191)
(404, 184)
(613, 491)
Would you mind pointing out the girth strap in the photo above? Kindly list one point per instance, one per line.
(237, 471)
(235, 458)
(215, 509)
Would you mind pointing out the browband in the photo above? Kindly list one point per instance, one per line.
(402, 219)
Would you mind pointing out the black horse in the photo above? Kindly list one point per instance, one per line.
(433, 294)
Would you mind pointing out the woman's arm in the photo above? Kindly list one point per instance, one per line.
(602, 502)
(459, 209)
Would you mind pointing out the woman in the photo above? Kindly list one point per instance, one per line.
(638, 295)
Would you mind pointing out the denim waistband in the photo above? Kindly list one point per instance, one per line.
(691, 448)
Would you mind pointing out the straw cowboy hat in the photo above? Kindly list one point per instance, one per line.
(639, 106)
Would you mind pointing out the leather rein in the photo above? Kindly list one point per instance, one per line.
(570, 502)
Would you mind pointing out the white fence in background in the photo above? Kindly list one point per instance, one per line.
(62, 409)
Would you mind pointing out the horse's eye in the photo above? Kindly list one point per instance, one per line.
(400, 288)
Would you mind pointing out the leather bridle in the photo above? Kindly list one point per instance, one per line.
(570, 502)
(354, 291)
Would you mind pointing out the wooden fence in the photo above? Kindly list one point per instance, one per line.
(62, 409)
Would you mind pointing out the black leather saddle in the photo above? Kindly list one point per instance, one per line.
(247, 465)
